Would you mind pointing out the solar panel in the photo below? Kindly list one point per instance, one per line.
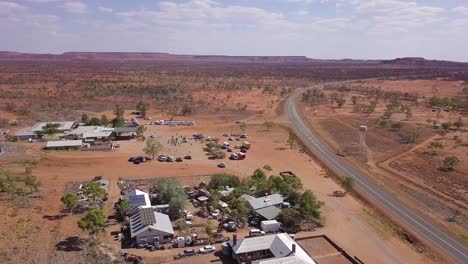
(137, 200)
(147, 216)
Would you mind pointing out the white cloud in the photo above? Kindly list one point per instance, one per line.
(461, 9)
(105, 9)
(75, 7)
(10, 7)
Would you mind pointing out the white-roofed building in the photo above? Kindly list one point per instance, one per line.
(64, 144)
(64, 126)
(89, 133)
(136, 198)
(270, 249)
(148, 227)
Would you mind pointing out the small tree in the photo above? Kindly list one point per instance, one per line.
(85, 118)
(123, 207)
(140, 132)
(209, 229)
(93, 222)
(50, 129)
(435, 146)
(354, 99)
(142, 107)
(32, 182)
(290, 218)
(268, 125)
(104, 120)
(409, 137)
(348, 184)
(70, 200)
(309, 206)
(152, 147)
(186, 110)
(267, 167)
(292, 139)
(94, 191)
(450, 162)
(94, 121)
(119, 112)
(396, 126)
(340, 101)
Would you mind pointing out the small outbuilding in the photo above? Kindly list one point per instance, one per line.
(64, 145)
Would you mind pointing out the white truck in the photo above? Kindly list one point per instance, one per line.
(271, 226)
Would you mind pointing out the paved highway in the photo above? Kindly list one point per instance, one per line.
(453, 247)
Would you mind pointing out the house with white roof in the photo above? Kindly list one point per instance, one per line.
(136, 198)
(270, 249)
(63, 126)
(148, 227)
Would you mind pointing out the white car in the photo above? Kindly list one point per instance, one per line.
(215, 213)
(207, 249)
(222, 165)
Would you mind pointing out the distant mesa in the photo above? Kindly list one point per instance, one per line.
(159, 56)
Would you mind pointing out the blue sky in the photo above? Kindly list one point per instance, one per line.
(328, 29)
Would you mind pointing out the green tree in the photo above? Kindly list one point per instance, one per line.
(93, 222)
(51, 129)
(140, 132)
(409, 137)
(221, 180)
(397, 126)
(94, 191)
(94, 121)
(142, 107)
(32, 183)
(290, 218)
(171, 192)
(70, 200)
(348, 183)
(239, 209)
(104, 120)
(450, 162)
(340, 101)
(309, 206)
(292, 137)
(435, 146)
(119, 120)
(186, 110)
(258, 180)
(267, 167)
(209, 229)
(85, 118)
(152, 147)
(123, 206)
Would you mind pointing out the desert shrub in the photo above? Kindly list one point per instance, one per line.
(409, 136)
(224, 179)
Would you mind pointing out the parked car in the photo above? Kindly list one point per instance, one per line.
(256, 232)
(131, 159)
(188, 252)
(237, 146)
(179, 159)
(226, 134)
(148, 158)
(229, 150)
(162, 158)
(136, 162)
(222, 165)
(215, 213)
(243, 136)
(170, 159)
(140, 158)
(188, 157)
(207, 249)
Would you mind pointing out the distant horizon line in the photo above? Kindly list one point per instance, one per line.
(4, 52)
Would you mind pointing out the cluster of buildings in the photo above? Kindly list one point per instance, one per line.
(75, 136)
